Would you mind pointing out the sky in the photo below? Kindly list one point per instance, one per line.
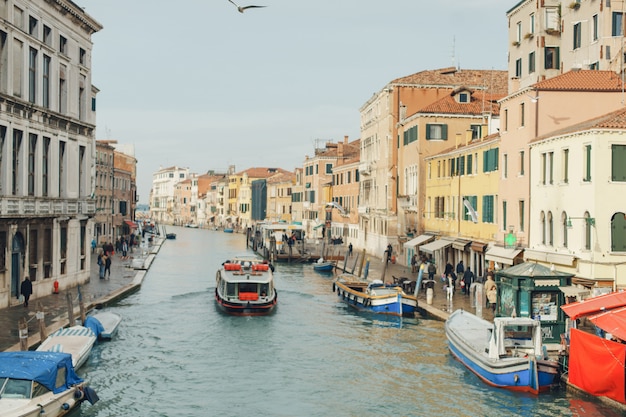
(196, 84)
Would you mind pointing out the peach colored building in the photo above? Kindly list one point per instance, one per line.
(279, 191)
(544, 107)
(345, 193)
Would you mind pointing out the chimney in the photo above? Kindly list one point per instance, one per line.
(468, 136)
(457, 141)
(345, 139)
(340, 150)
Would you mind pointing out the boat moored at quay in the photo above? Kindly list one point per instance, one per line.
(245, 287)
(375, 296)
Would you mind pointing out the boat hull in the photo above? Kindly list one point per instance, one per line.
(517, 373)
(394, 303)
(245, 308)
(324, 267)
(76, 340)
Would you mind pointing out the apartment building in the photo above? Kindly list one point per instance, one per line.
(162, 202)
(47, 127)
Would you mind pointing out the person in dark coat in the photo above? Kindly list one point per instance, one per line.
(107, 267)
(468, 278)
(26, 290)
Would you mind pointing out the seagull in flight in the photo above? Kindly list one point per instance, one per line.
(240, 8)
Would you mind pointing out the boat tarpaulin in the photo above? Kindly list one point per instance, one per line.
(613, 321)
(42, 367)
(595, 305)
(596, 365)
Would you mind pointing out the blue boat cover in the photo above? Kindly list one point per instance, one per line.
(94, 324)
(39, 366)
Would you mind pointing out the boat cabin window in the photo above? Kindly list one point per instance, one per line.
(16, 388)
(264, 290)
(231, 289)
(60, 381)
(247, 287)
(39, 389)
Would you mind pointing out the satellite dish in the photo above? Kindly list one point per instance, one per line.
(470, 210)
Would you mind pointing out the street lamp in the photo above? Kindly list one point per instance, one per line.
(590, 221)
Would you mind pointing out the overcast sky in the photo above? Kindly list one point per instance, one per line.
(195, 83)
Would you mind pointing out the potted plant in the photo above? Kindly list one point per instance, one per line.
(574, 5)
(515, 43)
(528, 35)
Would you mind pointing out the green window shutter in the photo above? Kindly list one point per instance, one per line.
(618, 163)
(405, 135)
(469, 164)
(444, 132)
(504, 215)
(485, 157)
(588, 163)
(428, 132)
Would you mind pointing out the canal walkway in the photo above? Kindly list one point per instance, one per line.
(127, 277)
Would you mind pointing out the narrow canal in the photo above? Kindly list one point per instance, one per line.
(176, 355)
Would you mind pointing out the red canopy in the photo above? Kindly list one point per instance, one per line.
(595, 305)
(613, 322)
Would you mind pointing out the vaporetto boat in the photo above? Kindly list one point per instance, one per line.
(245, 287)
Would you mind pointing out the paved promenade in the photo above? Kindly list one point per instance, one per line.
(127, 276)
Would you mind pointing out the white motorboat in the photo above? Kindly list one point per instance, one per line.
(76, 340)
(40, 383)
(104, 324)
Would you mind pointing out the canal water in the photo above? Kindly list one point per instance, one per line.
(177, 355)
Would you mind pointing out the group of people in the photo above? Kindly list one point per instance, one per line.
(466, 278)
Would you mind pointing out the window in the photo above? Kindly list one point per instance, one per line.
(32, 26)
(488, 209)
(577, 34)
(505, 166)
(464, 98)
(469, 164)
(472, 200)
(518, 67)
(45, 85)
(618, 168)
(47, 35)
(550, 229)
(490, 160)
(552, 18)
(565, 166)
(522, 114)
(32, 148)
(551, 166)
(82, 98)
(62, 45)
(564, 228)
(521, 163)
(62, 90)
(45, 166)
(543, 227)
(82, 56)
(477, 131)
(521, 207)
(61, 168)
(329, 168)
(551, 59)
(618, 238)
(32, 75)
(531, 25)
(504, 215)
(588, 231)
(17, 149)
(594, 27)
(18, 62)
(436, 131)
(531, 62)
(543, 168)
(587, 176)
(617, 28)
(410, 135)
(518, 32)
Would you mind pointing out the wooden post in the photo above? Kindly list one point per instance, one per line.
(362, 263)
(81, 305)
(42, 323)
(356, 259)
(22, 326)
(345, 262)
(70, 308)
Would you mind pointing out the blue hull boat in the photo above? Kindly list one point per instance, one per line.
(375, 297)
(507, 353)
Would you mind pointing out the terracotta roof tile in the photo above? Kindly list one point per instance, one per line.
(582, 80)
(261, 172)
(480, 103)
(495, 80)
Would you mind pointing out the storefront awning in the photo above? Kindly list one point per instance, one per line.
(574, 291)
(461, 244)
(131, 224)
(595, 305)
(420, 240)
(502, 255)
(318, 226)
(436, 245)
(479, 247)
(613, 322)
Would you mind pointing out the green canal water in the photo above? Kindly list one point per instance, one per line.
(177, 355)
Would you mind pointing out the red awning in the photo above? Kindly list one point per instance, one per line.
(595, 305)
(613, 322)
(131, 224)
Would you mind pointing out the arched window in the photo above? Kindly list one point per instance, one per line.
(618, 235)
(543, 227)
(587, 231)
(564, 228)
(550, 229)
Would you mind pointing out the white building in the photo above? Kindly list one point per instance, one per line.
(162, 193)
(47, 128)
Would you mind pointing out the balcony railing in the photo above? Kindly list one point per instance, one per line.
(44, 207)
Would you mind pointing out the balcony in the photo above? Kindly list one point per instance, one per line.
(365, 168)
(407, 202)
(44, 207)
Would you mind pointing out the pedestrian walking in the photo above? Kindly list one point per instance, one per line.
(124, 249)
(102, 264)
(26, 290)
(460, 268)
(93, 245)
(414, 263)
(468, 279)
(107, 266)
(491, 290)
(350, 250)
(432, 270)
